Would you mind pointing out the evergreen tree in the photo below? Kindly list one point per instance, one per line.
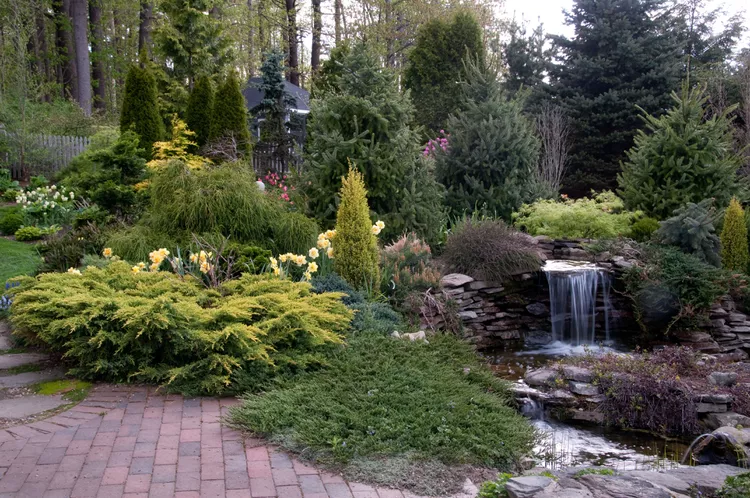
(200, 109)
(680, 158)
(692, 230)
(492, 150)
(229, 115)
(355, 248)
(622, 55)
(436, 64)
(140, 108)
(275, 107)
(367, 121)
(734, 249)
(527, 63)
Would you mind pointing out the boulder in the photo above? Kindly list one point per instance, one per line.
(537, 309)
(672, 483)
(693, 336)
(583, 388)
(723, 379)
(707, 478)
(415, 336)
(716, 420)
(579, 374)
(710, 407)
(541, 377)
(528, 486)
(622, 487)
(455, 280)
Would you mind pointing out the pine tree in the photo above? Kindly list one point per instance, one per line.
(140, 108)
(200, 109)
(622, 55)
(680, 158)
(734, 249)
(229, 115)
(367, 120)
(436, 64)
(492, 151)
(354, 246)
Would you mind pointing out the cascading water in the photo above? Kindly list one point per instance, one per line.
(574, 289)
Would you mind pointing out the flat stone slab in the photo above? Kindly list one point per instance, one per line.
(30, 378)
(16, 360)
(708, 478)
(5, 341)
(27, 406)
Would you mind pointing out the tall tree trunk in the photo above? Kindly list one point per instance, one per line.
(390, 59)
(79, 15)
(317, 27)
(41, 36)
(250, 36)
(97, 63)
(263, 47)
(67, 73)
(144, 28)
(292, 41)
(337, 13)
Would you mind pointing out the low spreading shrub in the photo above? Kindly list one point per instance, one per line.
(603, 216)
(26, 234)
(116, 325)
(668, 286)
(405, 268)
(382, 399)
(691, 229)
(10, 222)
(489, 250)
(643, 229)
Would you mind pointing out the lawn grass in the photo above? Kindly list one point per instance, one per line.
(17, 259)
(396, 413)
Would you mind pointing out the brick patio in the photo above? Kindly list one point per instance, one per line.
(134, 442)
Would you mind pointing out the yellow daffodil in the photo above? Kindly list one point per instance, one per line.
(312, 267)
(330, 234)
(142, 265)
(300, 260)
(74, 271)
(308, 276)
(107, 252)
(136, 269)
(205, 267)
(276, 271)
(380, 224)
(193, 258)
(284, 258)
(313, 253)
(329, 253)
(375, 229)
(323, 243)
(274, 262)
(154, 266)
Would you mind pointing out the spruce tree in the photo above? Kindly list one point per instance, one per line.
(492, 150)
(527, 63)
(275, 107)
(200, 110)
(140, 108)
(436, 65)
(229, 115)
(622, 55)
(367, 120)
(681, 158)
(355, 248)
(734, 249)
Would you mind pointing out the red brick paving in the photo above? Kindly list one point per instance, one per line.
(134, 442)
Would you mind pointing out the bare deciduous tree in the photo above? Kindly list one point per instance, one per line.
(744, 111)
(227, 148)
(553, 127)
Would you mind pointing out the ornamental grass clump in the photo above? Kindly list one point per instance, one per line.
(734, 250)
(115, 324)
(488, 249)
(356, 249)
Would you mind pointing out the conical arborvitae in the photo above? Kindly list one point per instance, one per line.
(229, 111)
(734, 249)
(355, 248)
(200, 109)
(140, 108)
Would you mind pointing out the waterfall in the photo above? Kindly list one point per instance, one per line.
(573, 293)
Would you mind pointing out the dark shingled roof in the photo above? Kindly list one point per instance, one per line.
(253, 95)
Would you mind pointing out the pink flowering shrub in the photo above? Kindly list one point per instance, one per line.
(278, 185)
(434, 144)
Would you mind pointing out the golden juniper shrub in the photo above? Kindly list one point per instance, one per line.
(356, 249)
(734, 248)
(115, 325)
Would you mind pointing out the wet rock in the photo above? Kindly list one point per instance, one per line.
(742, 436)
(716, 420)
(579, 374)
(615, 486)
(707, 478)
(724, 379)
(621, 262)
(583, 388)
(672, 483)
(537, 309)
(593, 416)
(541, 377)
(528, 486)
(560, 397)
(455, 280)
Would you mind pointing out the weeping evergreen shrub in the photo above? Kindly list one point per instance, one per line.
(734, 248)
(355, 247)
(692, 230)
(118, 326)
(217, 200)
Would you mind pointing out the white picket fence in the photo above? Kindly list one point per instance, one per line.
(43, 154)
